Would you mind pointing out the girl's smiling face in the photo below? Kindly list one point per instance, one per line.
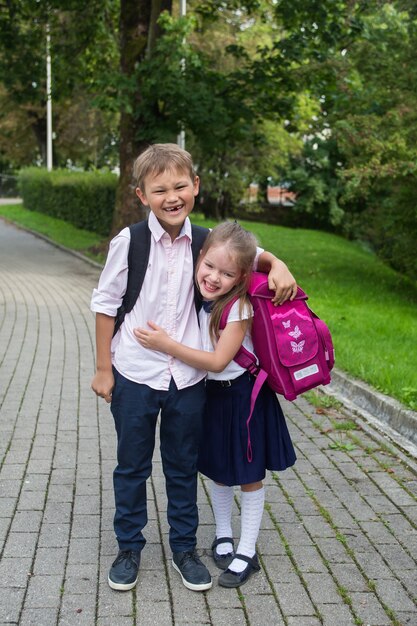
(217, 273)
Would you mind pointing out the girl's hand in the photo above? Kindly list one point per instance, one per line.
(280, 279)
(155, 339)
(282, 282)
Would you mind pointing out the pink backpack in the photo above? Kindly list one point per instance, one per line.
(294, 347)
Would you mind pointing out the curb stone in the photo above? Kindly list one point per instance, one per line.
(360, 397)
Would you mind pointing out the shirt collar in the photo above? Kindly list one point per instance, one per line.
(158, 232)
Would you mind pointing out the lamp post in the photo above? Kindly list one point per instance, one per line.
(48, 102)
(181, 135)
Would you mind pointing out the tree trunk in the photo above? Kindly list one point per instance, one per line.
(138, 32)
(38, 125)
(135, 18)
(154, 31)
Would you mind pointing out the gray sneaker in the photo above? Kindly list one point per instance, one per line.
(193, 572)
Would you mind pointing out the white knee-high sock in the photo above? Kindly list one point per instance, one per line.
(222, 501)
(252, 506)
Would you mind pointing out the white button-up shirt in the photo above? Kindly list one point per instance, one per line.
(166, 298)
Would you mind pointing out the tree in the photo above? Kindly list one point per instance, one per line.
(139, 32)
(357, 172)
(378, 138)
(214, 97)
(161, 97)
(79, 36)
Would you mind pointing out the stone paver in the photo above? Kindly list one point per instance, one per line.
(338, 543)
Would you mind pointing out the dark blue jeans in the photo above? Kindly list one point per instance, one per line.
(135, 410)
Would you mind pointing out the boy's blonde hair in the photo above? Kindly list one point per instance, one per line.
(161, 157)
(241, 246)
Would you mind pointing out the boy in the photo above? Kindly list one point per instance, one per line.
(140, 383)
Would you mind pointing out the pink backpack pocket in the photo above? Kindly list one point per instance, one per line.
(296, 337)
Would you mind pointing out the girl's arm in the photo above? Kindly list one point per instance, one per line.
(228, 344)
(280, 278)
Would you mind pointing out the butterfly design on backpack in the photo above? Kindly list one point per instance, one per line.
(295, 333)
(297, 347)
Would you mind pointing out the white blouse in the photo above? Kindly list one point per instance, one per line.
(233, 370)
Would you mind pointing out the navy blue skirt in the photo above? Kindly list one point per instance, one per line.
(223, 454)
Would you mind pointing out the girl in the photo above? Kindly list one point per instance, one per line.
(222, 273)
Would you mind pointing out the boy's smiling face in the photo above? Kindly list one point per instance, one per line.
(170, 196)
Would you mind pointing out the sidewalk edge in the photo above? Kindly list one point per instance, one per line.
(385, 409)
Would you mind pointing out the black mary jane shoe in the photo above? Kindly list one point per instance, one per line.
(222, 561)
(233, 579)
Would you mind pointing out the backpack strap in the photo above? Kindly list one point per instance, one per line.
(137, 261)
(243, 357)
(199, 234)
(247, 360)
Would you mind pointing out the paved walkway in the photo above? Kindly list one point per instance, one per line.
(338, 543)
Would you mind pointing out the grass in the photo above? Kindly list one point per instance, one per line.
(57, 230)
(369, 308)
(320, 400)
(342, 445)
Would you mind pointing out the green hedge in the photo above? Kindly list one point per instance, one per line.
(85, 199)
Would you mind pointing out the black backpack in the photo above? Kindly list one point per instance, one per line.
(137, 260)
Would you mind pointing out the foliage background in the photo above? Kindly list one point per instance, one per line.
(320, 96)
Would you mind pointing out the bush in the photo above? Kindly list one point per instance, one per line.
(85, 199)
(391, 227)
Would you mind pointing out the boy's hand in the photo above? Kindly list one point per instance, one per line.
(102, 384)
(155, 339)
(282, 282)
